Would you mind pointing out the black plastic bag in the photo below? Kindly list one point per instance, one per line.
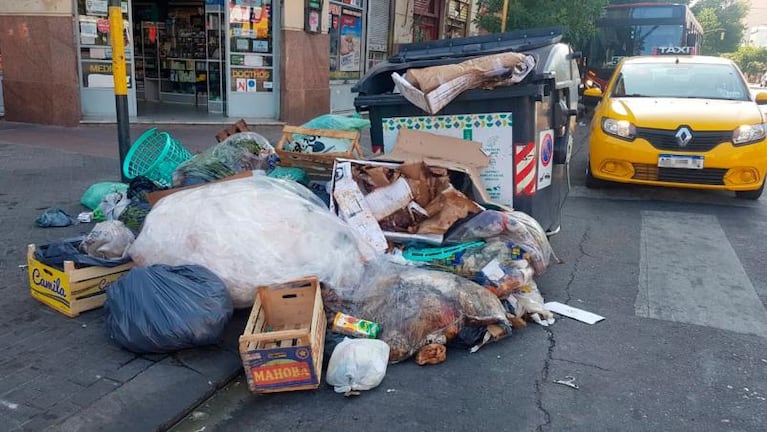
(161, 308)
(54, 254)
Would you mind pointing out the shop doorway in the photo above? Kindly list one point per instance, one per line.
(180, 49)
(187, 60)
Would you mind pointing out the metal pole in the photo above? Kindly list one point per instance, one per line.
(119, 74)
(504, 17)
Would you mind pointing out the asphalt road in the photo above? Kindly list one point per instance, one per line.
(681, 278)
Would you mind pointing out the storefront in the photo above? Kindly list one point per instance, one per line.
(185, 57)
(2, 108)
(346, 31)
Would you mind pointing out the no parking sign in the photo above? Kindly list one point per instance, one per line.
(545, 157)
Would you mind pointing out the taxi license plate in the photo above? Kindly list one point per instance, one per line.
(677, 161)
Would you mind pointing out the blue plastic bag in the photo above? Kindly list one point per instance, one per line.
(160, 308)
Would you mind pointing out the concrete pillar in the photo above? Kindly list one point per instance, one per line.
(40, 79)
(304, 66)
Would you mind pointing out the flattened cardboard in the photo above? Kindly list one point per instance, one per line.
(442, 151)
(445, 152)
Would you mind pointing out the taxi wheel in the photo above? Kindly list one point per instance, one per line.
(750, 195)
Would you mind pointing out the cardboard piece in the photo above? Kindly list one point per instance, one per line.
(353, 208)
(488, 66)
(435, 100)
(432, 88)
(454, 154)
(572, 312)
(154, 197)
(494, 131)
(413, 149)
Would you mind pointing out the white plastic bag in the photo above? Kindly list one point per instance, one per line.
(108, 240)
(250, 232)
(357, 364)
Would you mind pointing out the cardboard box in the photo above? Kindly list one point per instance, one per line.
(284, 340)
(73, 290)
(456, 155)
(494, 131)
(482, 72)
(153, 197)
(433, 101)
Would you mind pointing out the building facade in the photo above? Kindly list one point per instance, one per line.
(286, 60)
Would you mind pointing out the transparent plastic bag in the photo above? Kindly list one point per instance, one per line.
(108, 240)
(415, 306)
(161, 309)
(357, 364)
(495, 264)
(527, 300)
(516, 227)
(244, 151)
(250, 232)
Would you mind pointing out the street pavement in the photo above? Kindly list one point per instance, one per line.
(59, 373)
(681, 277)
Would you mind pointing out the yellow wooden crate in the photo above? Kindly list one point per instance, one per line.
(284, 339)
(73, 290)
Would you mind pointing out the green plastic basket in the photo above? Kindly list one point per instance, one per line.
(155, 155)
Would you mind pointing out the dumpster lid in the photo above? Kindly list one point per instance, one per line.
(446, 51)
(519, 40)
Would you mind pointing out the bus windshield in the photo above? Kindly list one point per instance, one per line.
(613, 43)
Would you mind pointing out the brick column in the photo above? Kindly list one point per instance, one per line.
(40, 80)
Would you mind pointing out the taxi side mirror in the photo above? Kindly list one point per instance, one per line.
(761, 98)
(597, 93)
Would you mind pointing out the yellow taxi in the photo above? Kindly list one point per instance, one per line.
(681, 121)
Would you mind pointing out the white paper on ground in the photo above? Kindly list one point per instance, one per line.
(572, 312)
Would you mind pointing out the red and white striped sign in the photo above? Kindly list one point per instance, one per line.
(525, 164)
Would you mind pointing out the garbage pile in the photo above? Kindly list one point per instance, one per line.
(395, 258)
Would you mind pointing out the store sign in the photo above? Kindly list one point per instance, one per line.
(350, 41)
(97, 7)
(99, 74)
(251, 80)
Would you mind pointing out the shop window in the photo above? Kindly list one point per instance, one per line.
(95, 47)
(251, 56)
(426, 20)
(345, 33)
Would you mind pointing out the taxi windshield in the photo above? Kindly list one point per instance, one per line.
(680, 80)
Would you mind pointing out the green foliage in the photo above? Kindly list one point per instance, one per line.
(726, 33)
(750, 59)
(576, 18)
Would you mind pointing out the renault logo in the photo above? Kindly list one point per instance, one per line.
(683, 136)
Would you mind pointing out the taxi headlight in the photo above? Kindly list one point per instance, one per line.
(748, 134)
(619, 128)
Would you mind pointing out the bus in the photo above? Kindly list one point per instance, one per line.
(639, 29)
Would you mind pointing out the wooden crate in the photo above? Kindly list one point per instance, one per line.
(283, 342)
(318, 166)
(239, 126)
(74, 290)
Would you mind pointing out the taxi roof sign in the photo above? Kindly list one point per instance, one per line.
(674, 50)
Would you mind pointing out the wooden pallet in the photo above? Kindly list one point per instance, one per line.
(318, 166)
(237, 127)
(283, 342)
